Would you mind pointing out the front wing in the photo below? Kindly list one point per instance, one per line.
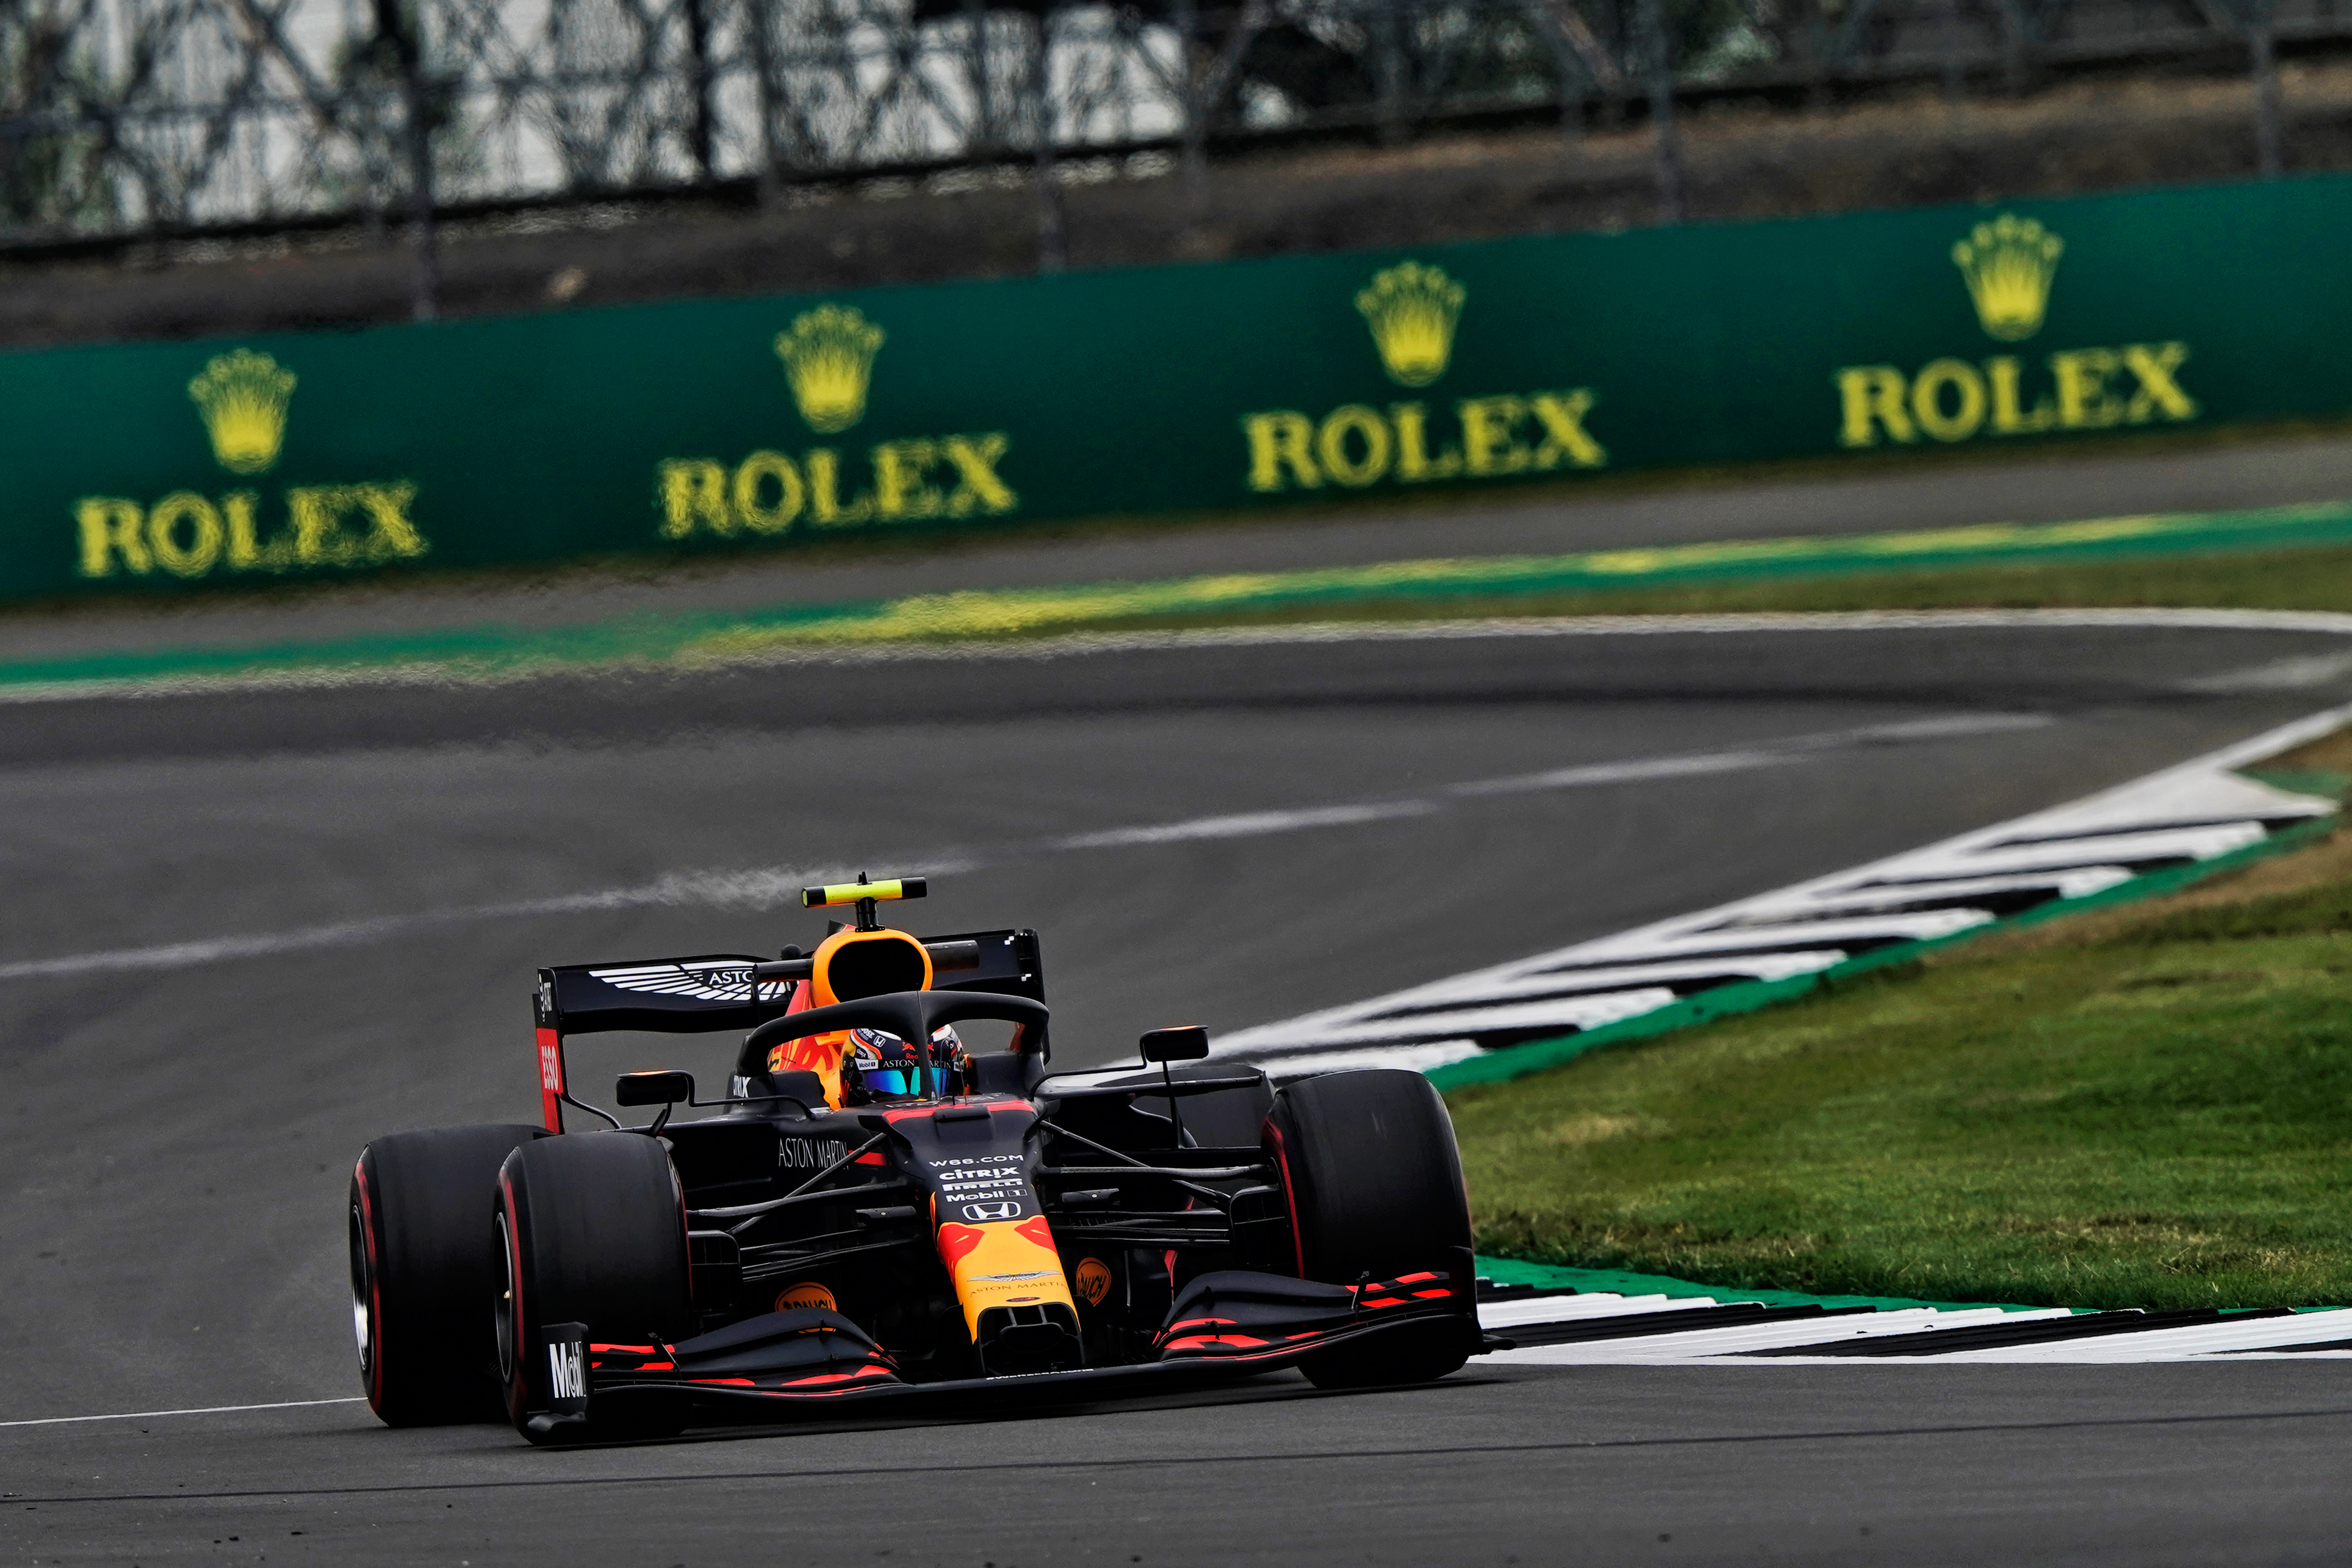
(809, 1361)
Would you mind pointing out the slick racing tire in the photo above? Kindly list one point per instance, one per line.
(591, 1229)
(1370, 1165)
(421, 1269)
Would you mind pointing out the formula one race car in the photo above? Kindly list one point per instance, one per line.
(876, 1212)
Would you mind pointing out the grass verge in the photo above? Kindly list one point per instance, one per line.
(2151, 1107)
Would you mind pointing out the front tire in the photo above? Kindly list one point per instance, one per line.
(421, 1270)
(591, 1229)
(1369, 1164)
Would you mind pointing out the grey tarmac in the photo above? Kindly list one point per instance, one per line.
(2127, 1466)
(179, 1140)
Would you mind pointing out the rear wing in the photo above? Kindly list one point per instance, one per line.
(716, 991)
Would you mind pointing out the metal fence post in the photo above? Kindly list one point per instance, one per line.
(1209, 95)
(1194, 128)
(1663, 140)
(1571, 94)
(1583, 60)
(1052, 241)
(2262, 49)
(2017, 45)
(406, 35)
(984, 137)
(768, 95)
(1955, 82)
(1390, 63)
(700, 131)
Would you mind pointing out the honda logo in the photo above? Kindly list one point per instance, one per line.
(991, 1211)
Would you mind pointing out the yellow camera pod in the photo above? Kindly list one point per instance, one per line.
(859, 892)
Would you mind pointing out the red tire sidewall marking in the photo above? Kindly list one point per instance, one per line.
(359, 1178)
(1289, 1196)
(517, 1389)
(686, 1233)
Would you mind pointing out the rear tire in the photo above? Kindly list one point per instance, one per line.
(421, 1270)
(591, 1229)
(1369, 1164)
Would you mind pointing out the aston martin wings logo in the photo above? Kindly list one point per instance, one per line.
(702, 979)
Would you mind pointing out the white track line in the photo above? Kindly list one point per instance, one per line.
(1671, 1346)
(1508, 1315)
(773, 887)
(2265, 1338)
(2178, 1344)
(197, 1410)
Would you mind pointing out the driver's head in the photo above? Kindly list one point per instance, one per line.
(887, 1065)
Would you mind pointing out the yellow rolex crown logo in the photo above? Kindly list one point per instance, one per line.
(2009, 263)
(242, 395)
(828, 355)
(1411, 309)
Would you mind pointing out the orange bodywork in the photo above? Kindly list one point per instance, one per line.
(819, 1054)
(1007, 1263)
(822, 1054)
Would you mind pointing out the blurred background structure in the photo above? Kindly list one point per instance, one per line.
(150, 123)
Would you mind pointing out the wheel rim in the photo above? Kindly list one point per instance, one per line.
(504, 1307)
(363, 1292)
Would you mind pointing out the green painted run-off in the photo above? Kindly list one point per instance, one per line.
(688, 639)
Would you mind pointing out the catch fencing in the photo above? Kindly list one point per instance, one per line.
(140, 119)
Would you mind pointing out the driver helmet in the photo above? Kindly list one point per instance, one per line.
(886, 1065)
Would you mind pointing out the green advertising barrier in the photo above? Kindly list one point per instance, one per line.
(757, 422)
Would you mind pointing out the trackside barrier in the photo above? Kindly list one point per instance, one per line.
(757, 422)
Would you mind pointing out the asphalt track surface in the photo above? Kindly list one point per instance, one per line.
(2056, 483)
(1209, 832)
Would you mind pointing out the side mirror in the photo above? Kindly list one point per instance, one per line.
(660, 1087)
(1176, 1043)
